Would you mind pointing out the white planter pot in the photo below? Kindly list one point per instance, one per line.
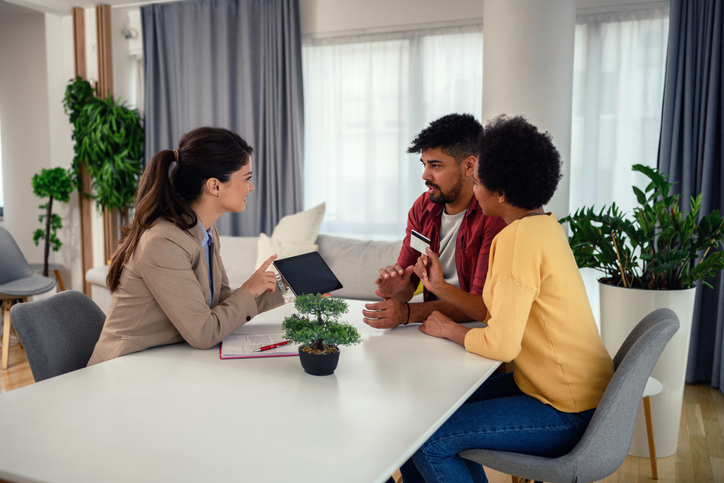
(621, 310)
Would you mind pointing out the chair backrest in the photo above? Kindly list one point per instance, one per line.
(13, 265)
(59, 333)
(607, 439)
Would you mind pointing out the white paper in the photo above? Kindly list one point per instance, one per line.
(244, 346)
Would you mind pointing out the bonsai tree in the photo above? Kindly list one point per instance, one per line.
(318, 328)
(109, 140)
(54, 184)
(660, 247)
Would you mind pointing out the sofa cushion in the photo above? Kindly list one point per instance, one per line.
(357, 263)
(294, 234)
(268, 247)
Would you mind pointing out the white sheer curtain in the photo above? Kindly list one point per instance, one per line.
(618, 85)
(365, 99)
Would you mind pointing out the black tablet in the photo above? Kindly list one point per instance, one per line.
(308, 274)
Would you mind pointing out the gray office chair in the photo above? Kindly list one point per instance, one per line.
(607, 440)
(59, 332)
(18, 281)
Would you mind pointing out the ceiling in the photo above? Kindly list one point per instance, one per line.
(64, 7)
(12, 10)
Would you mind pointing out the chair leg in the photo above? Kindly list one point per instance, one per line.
(60, 280)
(650, 434)
(6, 333)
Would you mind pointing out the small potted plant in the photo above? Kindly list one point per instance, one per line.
(318, 329)
(54, 184)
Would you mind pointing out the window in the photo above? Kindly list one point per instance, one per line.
(618, 85)
(619, 68)
(365, 99)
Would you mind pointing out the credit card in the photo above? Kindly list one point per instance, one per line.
(419, 242)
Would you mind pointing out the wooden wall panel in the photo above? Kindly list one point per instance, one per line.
(105, 89)
(84, 201)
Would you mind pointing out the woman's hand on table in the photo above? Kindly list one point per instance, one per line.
(439, 325)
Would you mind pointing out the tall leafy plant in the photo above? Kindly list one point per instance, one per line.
(109, 141)
(53, 184)
(660, 247)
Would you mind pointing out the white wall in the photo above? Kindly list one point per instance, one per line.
(330, 17)
(35, 62)
(24, 111)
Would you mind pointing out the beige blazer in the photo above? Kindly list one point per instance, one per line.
(163, 296)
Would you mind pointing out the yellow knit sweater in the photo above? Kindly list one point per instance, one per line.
(539, 317)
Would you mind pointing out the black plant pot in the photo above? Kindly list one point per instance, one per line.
(319, 364)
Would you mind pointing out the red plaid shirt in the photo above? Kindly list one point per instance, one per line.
(472, 245)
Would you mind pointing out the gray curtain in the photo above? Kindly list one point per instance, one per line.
(235, 64)
(691, 152)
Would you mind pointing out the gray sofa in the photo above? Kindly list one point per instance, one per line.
(355, 262)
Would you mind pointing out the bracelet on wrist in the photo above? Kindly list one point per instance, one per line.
(408, 313)
(280, 285)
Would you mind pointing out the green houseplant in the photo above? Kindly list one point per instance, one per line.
(649, 260)
(109, 141)
(54, 184)
(660, 247)
(319, 331)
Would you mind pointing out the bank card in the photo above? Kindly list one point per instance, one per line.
(419, 242)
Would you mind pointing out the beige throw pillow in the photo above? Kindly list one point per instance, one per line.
(294, 235)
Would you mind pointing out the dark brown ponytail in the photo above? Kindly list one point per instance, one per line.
(166, 190)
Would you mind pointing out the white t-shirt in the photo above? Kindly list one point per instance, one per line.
(448, 238)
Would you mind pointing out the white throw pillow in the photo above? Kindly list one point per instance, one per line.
(300, 228)
(294, 235)
(267, 247)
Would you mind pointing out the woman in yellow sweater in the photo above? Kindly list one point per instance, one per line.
(537, 313)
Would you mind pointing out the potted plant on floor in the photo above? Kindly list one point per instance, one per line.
(54, 184)
(318, 329)
(650, 259)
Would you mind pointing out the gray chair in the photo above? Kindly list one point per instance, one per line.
(59, 332)
(607, 440)
(18, 281)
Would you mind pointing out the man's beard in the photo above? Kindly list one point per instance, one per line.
(442, 198)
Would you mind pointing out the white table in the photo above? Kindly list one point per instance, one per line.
(179, 414)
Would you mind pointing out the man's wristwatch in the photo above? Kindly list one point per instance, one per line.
(280, 283)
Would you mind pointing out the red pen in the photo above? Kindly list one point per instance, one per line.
(273, 346)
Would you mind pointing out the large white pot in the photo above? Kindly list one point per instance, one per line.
(621, 310)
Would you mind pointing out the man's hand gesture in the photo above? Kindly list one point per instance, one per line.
(393, 279)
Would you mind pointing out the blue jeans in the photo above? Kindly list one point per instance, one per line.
(498, 416)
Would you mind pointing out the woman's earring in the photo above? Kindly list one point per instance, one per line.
(217, 192)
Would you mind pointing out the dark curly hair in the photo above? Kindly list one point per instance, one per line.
(518, 160)
(456, 134)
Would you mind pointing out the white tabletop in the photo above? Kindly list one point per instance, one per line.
(179, 414)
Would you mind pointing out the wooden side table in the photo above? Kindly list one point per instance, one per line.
(653, 387)
(52, 268)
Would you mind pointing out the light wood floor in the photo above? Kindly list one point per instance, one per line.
(699, 456)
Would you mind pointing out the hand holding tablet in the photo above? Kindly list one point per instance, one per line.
(308, 274)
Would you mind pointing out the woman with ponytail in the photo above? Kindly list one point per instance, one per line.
(167, 278)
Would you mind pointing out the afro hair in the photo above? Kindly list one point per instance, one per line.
(518, 160)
